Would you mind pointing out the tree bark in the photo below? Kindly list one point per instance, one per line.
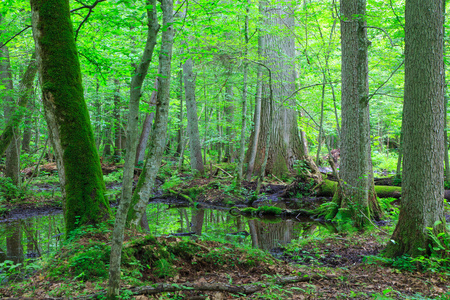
(191, 111)
(355, 170)
(159, 133)
(130, 155)
(119, 135)
(67, 116)
(146, 127)
(278, 50)
(240, 166)
(423, 111)
(12, 141)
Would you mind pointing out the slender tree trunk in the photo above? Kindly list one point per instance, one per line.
(240, 166)
(180, 124)
(257, 125)
(159, 133)
(119, 135)
(146, 127)
(191, 110)
(229, 117)
(27, 132)
(67, 116)
(12, 150)
(423, 125)
(132, 133)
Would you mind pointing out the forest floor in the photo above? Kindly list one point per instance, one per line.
(336, 266)
(329, 268)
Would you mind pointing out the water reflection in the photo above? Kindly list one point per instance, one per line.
(28, 238)
(35, 236)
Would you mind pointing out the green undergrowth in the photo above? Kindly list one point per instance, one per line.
(85, 257)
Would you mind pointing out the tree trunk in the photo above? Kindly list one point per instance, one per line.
(240, 166)
(192, 126)
(355, 169)
(67, 116)
(130, 155)
(256, 127)
(159, 133)
(12, 155)
(180, 122)
(119, 135)
(146, 127)
(423, 111)
(229, 117)
(278, 50)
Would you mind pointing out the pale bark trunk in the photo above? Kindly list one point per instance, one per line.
(146, 127)
(180, 124)
(119, 135)
(240, 166)
(67, 115)
(191, 110)
(256, 127)
(423, 119)
(132, 133)
(159, 132)
(229, 111)
(278, 51)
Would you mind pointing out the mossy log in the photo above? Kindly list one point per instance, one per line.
(328, 187)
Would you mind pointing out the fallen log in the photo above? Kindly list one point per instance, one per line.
(246, 289)
(328, 187)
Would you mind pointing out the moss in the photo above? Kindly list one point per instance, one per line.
(270, 210)
(249, 211)
(64, 99)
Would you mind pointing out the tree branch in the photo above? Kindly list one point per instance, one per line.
(91, 8)
(14, 36)
(390, 76)
(385, 32)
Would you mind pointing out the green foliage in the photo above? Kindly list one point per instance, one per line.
(11, 271)
(10, 192)
(114, 176)
(172, 182)
(434, 259)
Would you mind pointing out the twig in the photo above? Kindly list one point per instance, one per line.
(390, 76)
(90, 7)
(37, 165)
(223, 171)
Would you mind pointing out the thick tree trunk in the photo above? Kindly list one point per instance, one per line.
(423, 111)
(355, 169)
(159, 133)
(191, 110)
(130, 155)
(278, 50)
(67, 116)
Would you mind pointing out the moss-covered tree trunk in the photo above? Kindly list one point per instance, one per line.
(355, 171)
(79, 169)
(423, 125)
(159, 133)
